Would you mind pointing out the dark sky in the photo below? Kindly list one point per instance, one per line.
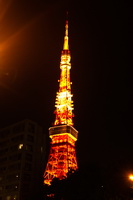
(31, 40)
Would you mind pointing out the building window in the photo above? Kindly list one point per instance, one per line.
(15, 167)
(31, 127)
(18, 128)
(30, 138)
(15, 157)
(11, 187)
(16, 187)
(41, 149)
(3, 151)
(3, 160)
(28, 157)
(26, 177)
(28, 167)
(8, 198)
(20, 146)
(25, 188)
(17, 138)
(29, 148)
(14, 148)
(15, 197)
(8, 187)
(4, 143)
(2, 169)
(12, 177)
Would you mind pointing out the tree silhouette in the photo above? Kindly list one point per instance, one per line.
(89, 182)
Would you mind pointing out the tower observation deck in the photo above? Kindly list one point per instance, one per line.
(62, 156)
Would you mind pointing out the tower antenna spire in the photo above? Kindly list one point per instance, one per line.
(66, 45)
(67, 15)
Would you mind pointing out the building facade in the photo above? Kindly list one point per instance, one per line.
(22, 156)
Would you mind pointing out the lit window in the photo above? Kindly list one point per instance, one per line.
(8, 198)
(20, 146)
(17, 176)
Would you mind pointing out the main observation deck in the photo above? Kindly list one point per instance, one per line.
(63, 129)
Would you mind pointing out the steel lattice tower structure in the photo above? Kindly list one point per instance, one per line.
(62, 157)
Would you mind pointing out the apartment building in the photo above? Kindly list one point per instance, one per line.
(22, 155)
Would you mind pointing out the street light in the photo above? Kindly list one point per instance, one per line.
(131, 177)
(131, 181)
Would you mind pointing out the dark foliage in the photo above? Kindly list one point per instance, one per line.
(93, 183)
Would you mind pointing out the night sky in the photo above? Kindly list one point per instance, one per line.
(31, 40)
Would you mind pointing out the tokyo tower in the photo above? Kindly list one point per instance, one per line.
(62, 156)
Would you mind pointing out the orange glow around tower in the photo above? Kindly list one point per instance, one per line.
(62, 156)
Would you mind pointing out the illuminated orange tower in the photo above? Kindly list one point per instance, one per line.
(62, 157)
